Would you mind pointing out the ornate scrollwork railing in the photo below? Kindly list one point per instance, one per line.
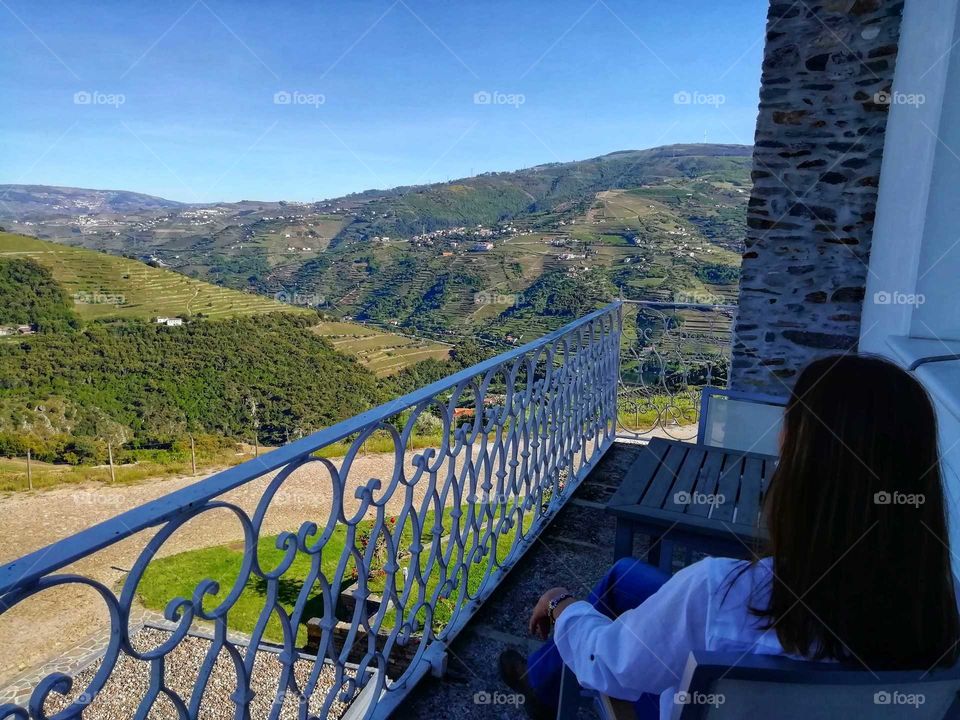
(432, 540)
(669, 353)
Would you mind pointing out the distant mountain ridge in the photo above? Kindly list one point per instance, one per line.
(27, 201)
(21, 200)
(649, 224)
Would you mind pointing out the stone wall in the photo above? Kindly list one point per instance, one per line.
(827, 74)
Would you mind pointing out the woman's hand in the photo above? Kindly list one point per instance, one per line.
(540, 619)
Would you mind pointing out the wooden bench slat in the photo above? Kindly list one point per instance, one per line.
(727, 488)
(666, 475)
(748, 504)
(687, 478)
(639, 474)
(709, 481)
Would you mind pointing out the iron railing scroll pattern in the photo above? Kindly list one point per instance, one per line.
(518, 433)
(670, 352)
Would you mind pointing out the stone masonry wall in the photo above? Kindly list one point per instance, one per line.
(827, 74)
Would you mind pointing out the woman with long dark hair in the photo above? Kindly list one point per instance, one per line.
(856, 571)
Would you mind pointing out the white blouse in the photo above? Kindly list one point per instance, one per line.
(645, 650)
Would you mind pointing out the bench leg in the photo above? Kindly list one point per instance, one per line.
(623, 540)
(660, 553)
(653, 549)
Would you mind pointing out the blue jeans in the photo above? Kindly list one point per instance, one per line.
(624, 586)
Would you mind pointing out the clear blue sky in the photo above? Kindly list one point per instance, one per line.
(198, 120)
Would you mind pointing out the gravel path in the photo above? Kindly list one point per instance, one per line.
(130, 680)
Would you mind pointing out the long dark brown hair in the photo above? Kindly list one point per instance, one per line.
(857, 521)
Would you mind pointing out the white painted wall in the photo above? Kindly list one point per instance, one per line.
(927, 35)
(939, 268)
(915, 249)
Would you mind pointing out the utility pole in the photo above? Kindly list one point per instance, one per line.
(113, 477)
(193, 456)
(256, 426)
(29, 471)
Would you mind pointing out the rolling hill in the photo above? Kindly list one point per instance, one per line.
(47, 201)
(384, 291)
(100, 286)
(445, 259)
(105, 286)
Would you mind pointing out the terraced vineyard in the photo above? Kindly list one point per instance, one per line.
(383, 353)
(107, 286)
(546, 243)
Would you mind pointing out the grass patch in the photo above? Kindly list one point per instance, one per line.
(13, 471)
(384, 353)
(178, 575)
(645, 413)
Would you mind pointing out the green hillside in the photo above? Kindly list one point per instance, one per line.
(468, 257)
(555, 187)
(64, 395)
(29, 295)
(382, 352)
(675, 240)
(107, 286)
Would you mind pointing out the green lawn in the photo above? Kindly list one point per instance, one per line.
(178, 575)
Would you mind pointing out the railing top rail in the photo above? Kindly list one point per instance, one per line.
(57, 555)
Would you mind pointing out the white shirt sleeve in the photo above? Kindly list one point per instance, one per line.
(644, 650)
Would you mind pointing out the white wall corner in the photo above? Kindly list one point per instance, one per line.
(927, 37)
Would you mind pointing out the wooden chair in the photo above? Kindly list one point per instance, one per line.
(732, 686)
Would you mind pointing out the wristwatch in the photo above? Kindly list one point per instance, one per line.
(553, 606)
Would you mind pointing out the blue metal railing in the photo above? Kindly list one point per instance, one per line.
(542, 416)
(671, 352)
